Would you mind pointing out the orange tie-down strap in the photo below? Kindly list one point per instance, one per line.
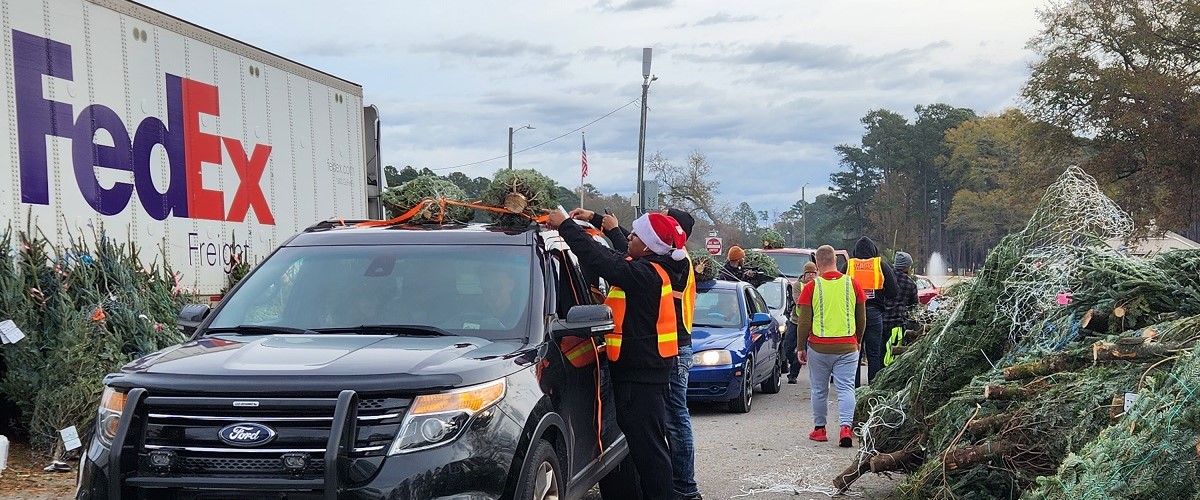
(442, 202)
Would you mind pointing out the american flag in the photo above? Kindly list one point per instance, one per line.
(584, 161)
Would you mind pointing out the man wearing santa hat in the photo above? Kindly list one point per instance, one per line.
(642, 349)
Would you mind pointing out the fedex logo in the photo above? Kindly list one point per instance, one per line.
(186, 147)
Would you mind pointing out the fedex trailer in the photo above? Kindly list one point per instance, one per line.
(203, 150)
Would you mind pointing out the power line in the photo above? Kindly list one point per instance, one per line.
(572, 131)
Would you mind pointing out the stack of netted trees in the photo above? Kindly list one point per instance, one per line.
(1021, 388)
(513, 199)
(85, 310)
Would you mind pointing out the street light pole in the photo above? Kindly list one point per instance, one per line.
(646, 79)
(803, 218)
(510, 142)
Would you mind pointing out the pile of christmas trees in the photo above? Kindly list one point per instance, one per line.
(1066, 370)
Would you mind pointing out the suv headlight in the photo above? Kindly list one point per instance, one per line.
(715, 357)
(437, 419)
(109, 417)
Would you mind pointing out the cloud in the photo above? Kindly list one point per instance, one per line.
(633, 5)
(723, 18)
(475, 46)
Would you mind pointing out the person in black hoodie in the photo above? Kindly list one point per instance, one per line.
(679, 419)
(878, 294)
(642, 355)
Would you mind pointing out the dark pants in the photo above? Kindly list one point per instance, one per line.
(642, 414)
(790, 342)
(872, 345)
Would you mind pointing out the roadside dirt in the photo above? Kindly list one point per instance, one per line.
(24, 478)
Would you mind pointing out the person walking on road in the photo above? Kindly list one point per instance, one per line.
(642, 349)
(895, 315)
(679, 419)
(790, 335)
(878, 282)
(832, 320)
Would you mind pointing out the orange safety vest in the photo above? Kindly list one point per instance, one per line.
(579, 351)
(868, 273)
(667, 326)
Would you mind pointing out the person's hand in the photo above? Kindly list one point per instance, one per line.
(802, 356)
(609, 222)
(554, 218)
(582, 214)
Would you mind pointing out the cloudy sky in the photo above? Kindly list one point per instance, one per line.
(764, 88)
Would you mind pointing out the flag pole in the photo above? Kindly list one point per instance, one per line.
(583, 167)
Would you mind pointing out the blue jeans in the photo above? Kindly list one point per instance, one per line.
(872, 347)
(679, 428)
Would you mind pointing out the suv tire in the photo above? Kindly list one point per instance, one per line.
(541, 477)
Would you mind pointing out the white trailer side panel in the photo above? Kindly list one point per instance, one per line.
(186, 142)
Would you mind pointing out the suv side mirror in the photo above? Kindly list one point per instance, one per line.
(190, 317)
(760, 319)
(585, 321)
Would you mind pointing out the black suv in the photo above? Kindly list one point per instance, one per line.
(447, 362)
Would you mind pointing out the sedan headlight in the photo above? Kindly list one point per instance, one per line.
(715, 357)
(437, 419)
(783, 328)
(109, 417)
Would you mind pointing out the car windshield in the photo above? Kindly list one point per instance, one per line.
(790, 264)
(923, 284)
(717, 308)
(772, 293)
(458, 289)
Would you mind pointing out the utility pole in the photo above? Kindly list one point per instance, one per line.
(646, 79)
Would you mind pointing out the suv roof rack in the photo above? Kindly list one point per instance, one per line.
(332, 223)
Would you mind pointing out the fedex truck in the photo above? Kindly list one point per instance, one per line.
(199, 148)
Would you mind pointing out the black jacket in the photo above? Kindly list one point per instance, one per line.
(620, 243)
(866, 249)
(639, 361)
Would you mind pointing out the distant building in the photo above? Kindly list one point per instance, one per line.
(1152, 245)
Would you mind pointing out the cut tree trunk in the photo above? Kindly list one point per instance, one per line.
(988, 425)
(995, 392)
(1053, 363)
(903, 460)
(1140, 352)
(850, 475)
(973, 455)
(898, 350)
(1117, 407)
(1095, 320)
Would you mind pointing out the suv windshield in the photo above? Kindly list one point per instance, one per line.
(462, 290)
(772, 293)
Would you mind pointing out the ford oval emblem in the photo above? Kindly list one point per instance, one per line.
(246, 434)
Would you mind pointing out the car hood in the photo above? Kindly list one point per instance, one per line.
(705, 338)
(366, 362)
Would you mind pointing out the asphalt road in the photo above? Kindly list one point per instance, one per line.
(766, 454)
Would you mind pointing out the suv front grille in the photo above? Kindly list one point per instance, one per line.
(190, 426)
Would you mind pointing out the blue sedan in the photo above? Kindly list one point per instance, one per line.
(735, 344)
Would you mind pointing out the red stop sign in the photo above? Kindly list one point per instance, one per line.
(713, 245)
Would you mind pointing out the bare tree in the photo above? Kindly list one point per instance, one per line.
(688, 186)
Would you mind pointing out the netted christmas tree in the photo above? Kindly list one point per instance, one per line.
(523, 193)
(427, 191)
(85, 310)
(1025, 368)
(761, 262)
(772, 239)
(705, 264)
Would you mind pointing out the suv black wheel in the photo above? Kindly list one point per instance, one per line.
(541, 476)
(771, 384)
(742, 404)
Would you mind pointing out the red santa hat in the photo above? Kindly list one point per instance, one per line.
(662, 235)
